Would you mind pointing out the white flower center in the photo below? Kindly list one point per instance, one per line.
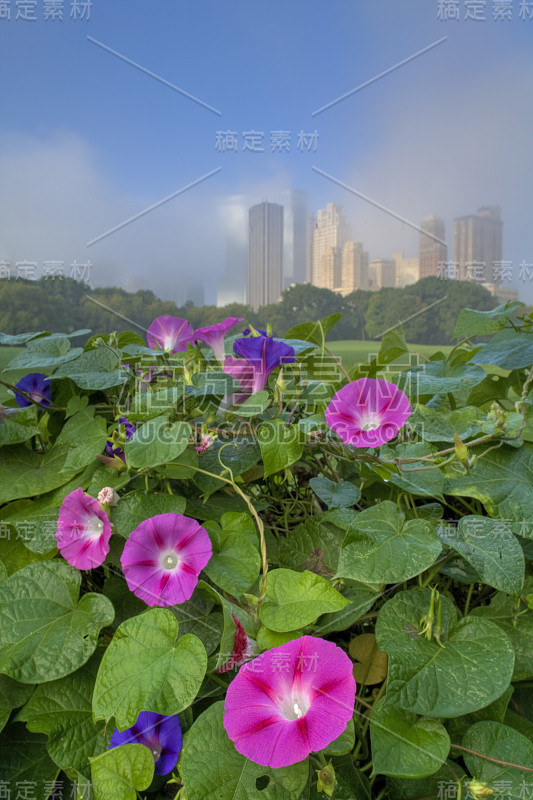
(168, 343)
(295, 706)
(370, 424)
(94, 526)
(170, 561)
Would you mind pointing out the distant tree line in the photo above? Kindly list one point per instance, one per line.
(64, 305)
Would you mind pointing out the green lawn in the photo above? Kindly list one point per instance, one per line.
(360, 352)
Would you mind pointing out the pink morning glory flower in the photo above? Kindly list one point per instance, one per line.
(163, 557)
(290, 701)
(170, 333)
(37, 386)
(368, 412)
(83, 531)
(213, 335)
(160, 733)
(259, 356)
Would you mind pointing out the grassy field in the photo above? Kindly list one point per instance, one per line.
(359, 352)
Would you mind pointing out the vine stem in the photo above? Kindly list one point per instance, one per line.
(489, 758)
(334, 357)
(258, 522)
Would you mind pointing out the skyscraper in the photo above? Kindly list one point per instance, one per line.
(332, 231)
(265, 254)
(383, 271)
(296, 268)
(354, 268)
(432, 252)
(477, 245)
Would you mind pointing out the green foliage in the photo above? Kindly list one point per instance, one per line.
(424, 544)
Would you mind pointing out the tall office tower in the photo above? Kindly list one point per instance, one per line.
(233, 215)
(265, 254)
(295, 264)
(332, 231)
(431, 251)
(354, 268)
(477, 245)
(383, 273)
(407, 270)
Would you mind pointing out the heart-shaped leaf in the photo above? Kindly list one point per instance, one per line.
(121, 772)
(146, 667)
(380, 546)
(472, 668)
(295, 599)
(45, 633)
(405, 745)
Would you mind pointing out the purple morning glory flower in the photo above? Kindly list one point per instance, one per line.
(110, 449)
(248, 331)
(259, 355)
(161, 734)
(213, 335)
(170, 333)
(37, 386)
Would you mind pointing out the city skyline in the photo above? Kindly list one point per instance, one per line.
(122, 147)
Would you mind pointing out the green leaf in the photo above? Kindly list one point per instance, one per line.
(147, 405)
(360, 598)
(343, 743)
(505, 744)
(438, 377)
(405, 745)
(517, 624)
(393, 345)
(157, 442)
(314, 331)
(62, 710)
(45, 633)
(141, 504)
(18, 426)
(196, 616)
(46, 352)
(237, 455)
(445, 780)
(313, 545)
(280, 446)
(20, 338)
(507, 349)
(490, 547)
(478, 323)
(24, 757)
(235, 563)
(212, 769)
(503, 481)
(144, 667)
(443, 425)
(296, 599)
(24, 473)
(14, 554)
(267, 639)
(414, 477)
(472, 668)
(335, 495)
(253, 405)
(12, 695)
(381, 546)
(94, 369)
(82, 437)
(120, 772)
(75, 404)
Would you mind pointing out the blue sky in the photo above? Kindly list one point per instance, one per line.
(87, 140)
